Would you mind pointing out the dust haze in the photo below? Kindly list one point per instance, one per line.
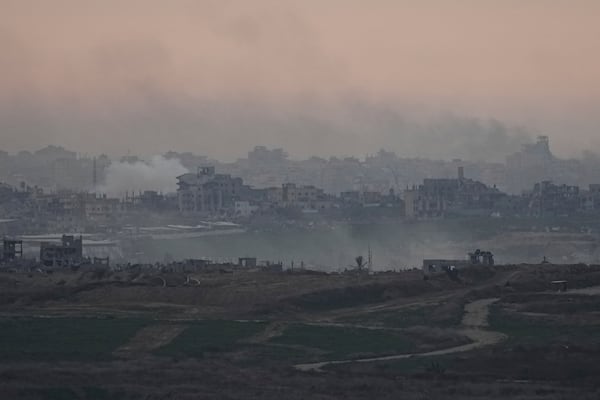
(217, 78)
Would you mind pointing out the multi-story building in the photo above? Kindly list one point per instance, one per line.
(290, 195)
(304, 197)
(590, 201)
(440, 197)
(548, 199)
(68, 253)
(102, 209)
(208, 192)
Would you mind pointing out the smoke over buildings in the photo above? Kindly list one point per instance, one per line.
(157, 174)
(343, 77)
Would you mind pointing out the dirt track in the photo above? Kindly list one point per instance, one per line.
(148, 339)
(473, 322)
(591, 291)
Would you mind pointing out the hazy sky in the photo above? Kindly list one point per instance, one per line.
(322, 76)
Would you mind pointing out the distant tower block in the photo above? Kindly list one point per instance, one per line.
(461, 173)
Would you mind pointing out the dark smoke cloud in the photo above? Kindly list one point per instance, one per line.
(218, 77)
(227, 130)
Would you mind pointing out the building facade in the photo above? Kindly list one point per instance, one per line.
(208, 192)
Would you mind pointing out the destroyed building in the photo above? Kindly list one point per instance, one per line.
(478, 257)
(69, 252)
(248, 262)
(590, 199)
(12, 250)
(440, 197)
(101, 209)
(548, 199)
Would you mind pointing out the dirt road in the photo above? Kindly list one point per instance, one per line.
(591, 291)
(473, 322)
(149, 338)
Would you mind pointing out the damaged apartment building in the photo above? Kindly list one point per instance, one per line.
(208, 192)
(306, 198)
(548, 199)
(437, 198)
(69, 252)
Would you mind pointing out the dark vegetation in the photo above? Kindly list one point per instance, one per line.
(343, 343)
(352, 296)
(523, 330)
(550, 347)
(59, 339)
(204, 337)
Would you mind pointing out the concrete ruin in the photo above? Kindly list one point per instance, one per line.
(478, 257)
(248, 262)
(11, 250)
(438, 198)
(68, 253)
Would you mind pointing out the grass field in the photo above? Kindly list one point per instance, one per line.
(424, 316)
(341, 342)
(56, 339)
(535, 349)
(523, 330)
(203, 337)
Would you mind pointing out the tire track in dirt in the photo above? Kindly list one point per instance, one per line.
(473, 322)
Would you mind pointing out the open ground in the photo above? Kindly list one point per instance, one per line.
(494, 332)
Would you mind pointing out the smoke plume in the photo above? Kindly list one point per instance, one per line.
(157, 174)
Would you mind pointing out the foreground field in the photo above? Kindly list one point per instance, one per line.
(494, 333)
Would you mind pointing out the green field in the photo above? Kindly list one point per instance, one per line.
(56, 339)
(522, 330)
(422, 316)
(217, 336)
(341, 342)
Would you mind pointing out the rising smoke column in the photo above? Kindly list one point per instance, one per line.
(157, 174)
